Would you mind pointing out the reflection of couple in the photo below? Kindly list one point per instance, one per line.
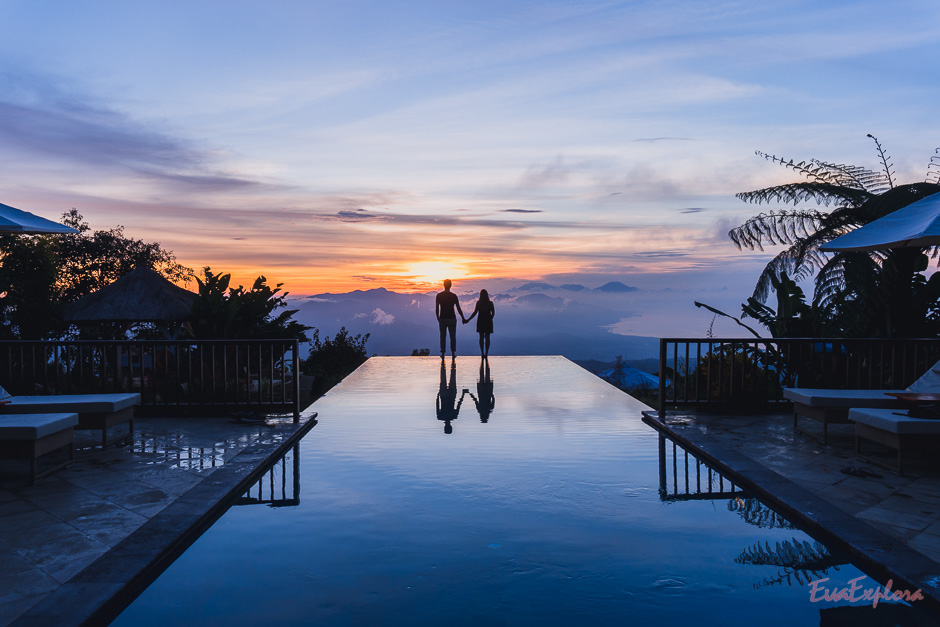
(448, 405)
(446, 308)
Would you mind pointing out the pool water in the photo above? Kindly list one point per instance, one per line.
(525, 492)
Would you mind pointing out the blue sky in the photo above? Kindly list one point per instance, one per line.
(332, 146)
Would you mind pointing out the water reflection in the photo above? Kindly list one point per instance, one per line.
(684, 477)
(485, 400)
(279, 485)
(448, 406)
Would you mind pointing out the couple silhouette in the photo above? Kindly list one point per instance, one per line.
(446, 308)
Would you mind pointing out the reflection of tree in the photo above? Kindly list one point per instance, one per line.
(801, 561)
(753, 512)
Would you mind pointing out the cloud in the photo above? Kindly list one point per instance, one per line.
(691, 210)
(381, 317)
(45, 116)
(660, 254)
(521, 210)
(554, 173)
(663, 139)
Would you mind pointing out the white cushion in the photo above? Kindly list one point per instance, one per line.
(894, 421)
(840, 398)
(81, 403)
(34, 426)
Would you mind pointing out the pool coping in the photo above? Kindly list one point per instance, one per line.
(100, 592)
(869, 548)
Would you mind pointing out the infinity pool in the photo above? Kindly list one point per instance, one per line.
(523, 493)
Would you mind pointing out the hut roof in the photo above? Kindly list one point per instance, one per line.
(142, 295)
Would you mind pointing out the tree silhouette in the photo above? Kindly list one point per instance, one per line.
(878, 293)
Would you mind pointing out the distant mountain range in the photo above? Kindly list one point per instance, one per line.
(611, 287)
(528, 321)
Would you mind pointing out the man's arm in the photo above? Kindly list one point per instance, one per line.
(437, 307)
(460, 311)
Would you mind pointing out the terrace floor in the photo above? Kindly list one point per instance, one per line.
(54, 529)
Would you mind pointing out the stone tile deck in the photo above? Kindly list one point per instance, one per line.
(53, 530)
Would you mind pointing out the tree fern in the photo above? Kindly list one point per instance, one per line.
(851, 294)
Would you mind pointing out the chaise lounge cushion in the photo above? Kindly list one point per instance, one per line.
(893, 421)
(840, 398)
(81, 403)
(34, 426)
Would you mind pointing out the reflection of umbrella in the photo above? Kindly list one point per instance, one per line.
(18, 221)
(916, 225)
(142, 295)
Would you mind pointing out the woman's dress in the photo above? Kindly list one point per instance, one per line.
(485, 313)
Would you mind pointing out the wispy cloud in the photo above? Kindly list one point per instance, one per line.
(46, 118)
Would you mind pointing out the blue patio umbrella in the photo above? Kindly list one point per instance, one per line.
(916, 225)
(14, 220)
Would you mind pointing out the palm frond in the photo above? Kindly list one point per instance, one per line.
(793, 553)
(776, 227)
(810, 169)
(933, 176)
(753, 512)
(857, 177)
(824, 193)
(718, 312)
(888, 167)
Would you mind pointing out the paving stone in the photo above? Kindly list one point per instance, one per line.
(113, 535)
(15, 506)
(886, 515)
(23, 585)
(116, 517)
(72, 548)
(26, 520)
(64, 571)
(37, 536)
(12, 563)
(928, 544)
(14, 608)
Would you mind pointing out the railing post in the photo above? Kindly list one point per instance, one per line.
(662, 379)
(296, 380)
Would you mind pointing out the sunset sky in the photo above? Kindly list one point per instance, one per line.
(344, 145)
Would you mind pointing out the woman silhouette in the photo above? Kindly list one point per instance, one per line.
(487, 312)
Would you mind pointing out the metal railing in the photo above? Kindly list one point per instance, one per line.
(749, 374)
(171, 376)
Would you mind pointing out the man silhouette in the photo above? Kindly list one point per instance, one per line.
(444, 307)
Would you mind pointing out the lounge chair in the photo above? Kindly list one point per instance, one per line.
(29, 436)
(832, 406)
(896, 430)
(95, 411)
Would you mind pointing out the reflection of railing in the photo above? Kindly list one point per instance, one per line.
(174, 376)
(683, 477)
(279, 486)
(750, 373)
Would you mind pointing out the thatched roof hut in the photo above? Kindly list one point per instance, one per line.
(142, 295)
